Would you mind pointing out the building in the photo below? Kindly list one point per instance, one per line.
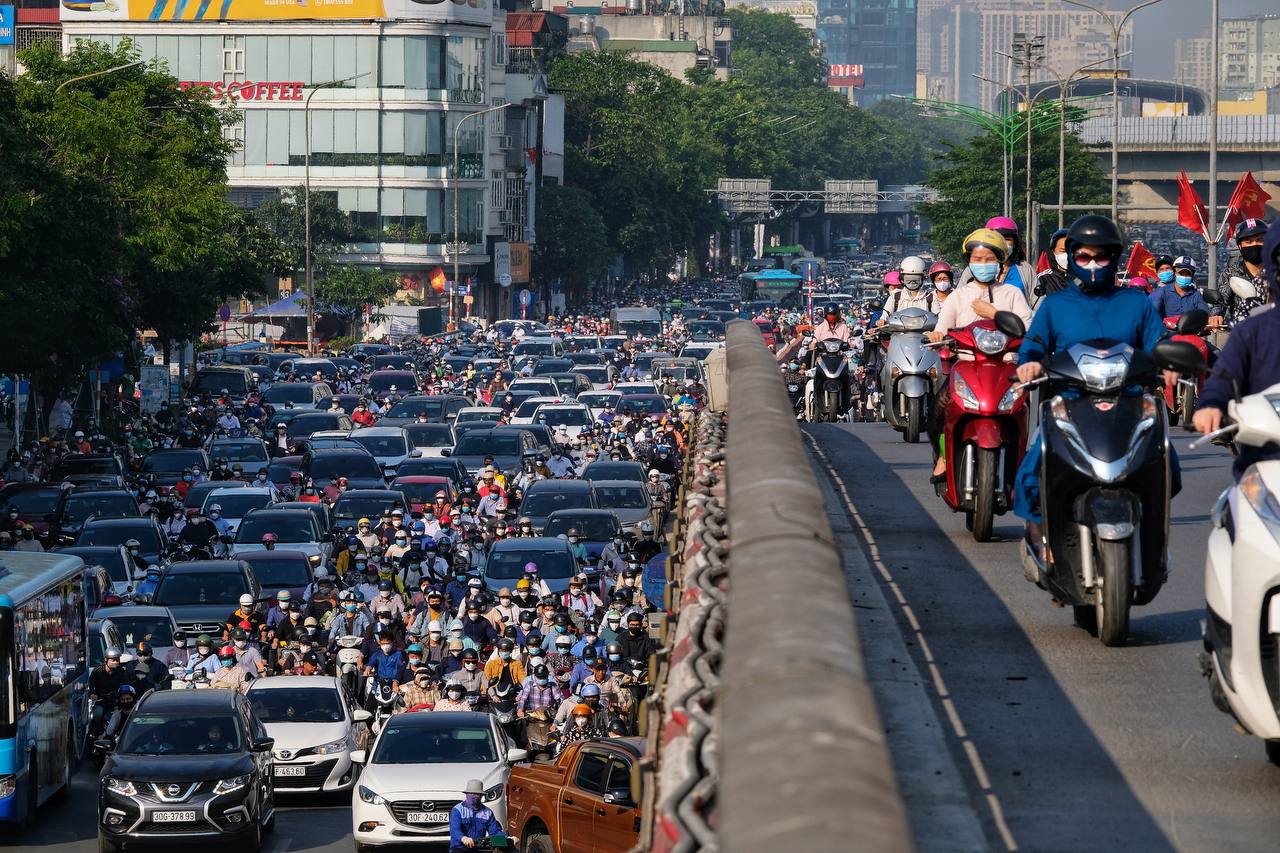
(803, 12)
(672, 41)
(1249, 55)
(1192, 63)
(394, 92)
(879, 36)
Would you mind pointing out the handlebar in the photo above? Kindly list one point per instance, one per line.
(1218, 433)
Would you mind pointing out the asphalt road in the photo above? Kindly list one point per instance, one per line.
(1059, 742)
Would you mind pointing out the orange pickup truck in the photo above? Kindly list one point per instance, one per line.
(579, 803)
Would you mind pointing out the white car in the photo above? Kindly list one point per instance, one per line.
(540, 384)
(700, 349)
(414, 775)
(637, 387)
(568, 419)
(478, 413)
(389, 445)
(236, 503)
(598, 401)
(430, 439)
(316, 727)
(524, 412)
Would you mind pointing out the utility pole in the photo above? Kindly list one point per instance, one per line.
(1026, 52)
(1212, 267)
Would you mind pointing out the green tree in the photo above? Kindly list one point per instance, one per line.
(284, 217)
(573, 243)
(773, 51)
(345, 289)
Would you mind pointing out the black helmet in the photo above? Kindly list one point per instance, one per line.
(617, 727)
(831, 308)
(469, 655)
(541, 671)
(1095, 230)
(613, 649)
(506, 644)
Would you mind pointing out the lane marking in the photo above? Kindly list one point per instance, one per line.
(940, 684)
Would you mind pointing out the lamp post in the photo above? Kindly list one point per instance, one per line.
(457, 244)
(1117, 27)
(101, 73)
(306, 203)
(1212, 266)
(1030, 106)
(1025, 51)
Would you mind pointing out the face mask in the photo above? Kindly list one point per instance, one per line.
(384, 621)
(1185, 281)
(615, 658)
(1251, 254)
(985, 273)
(386, 648)
(350, 608)
(559, 629)
(240, 644)
(1165, 276)
(227, 662)
(504, 655)
(182, 644)
(1094, 276)
(214, 515)
(470, 667)
(581, 722)
(573, 538)
(1061, 259)
(942, 285)
(542, 682)
(187, 477)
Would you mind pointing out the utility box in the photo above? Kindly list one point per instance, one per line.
(716, 367)
(430, 320)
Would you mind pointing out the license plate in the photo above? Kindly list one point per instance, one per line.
(288, 770)
(173, 817)
(427, 817)
(793, 387)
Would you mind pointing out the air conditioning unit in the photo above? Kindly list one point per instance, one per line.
(504, 217)
(505, 142)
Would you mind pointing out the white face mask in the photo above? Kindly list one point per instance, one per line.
(581, 722)
(1061, 259)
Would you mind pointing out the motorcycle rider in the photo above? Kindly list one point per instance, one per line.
(423, 691)
(203, 658)
(1019, 272)
(1055, 278)
(1231, 309)
(1181, 296)
(941, 277)
(230, 674)
(107, 679)
(912, 294)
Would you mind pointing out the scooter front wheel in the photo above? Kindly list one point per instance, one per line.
(984, 493)
(914, 420)
(1117, 590)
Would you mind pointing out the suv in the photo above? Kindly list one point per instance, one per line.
(189, 766)
(202, 593)
(238, 382)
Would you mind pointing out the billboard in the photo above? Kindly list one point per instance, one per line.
(520, 263)
(460, 11)
(6, 25)
(845, 75)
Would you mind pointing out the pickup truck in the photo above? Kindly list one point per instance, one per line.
(580, 802)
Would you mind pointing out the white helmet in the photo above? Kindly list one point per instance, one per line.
(246, 600)
(912, 271)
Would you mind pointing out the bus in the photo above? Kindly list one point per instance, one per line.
(44, 678)
(636, 320)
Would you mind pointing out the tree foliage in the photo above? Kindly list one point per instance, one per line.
(573, 242)
(345, 289)
(772, 51)
(284, 218)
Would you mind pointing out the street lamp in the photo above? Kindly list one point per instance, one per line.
(1117, 26)
(1030, 103)
(101, 73)
(306, 203)
(457, 245)
(1027, 50)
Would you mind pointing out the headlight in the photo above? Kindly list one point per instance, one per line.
(963, 392)
(1103, 374)
(315, 559)
(340, 745)
(370, 797)
(118, 786)
(990, 341)
(235, 783)
(1262, 499)
(1010, 398)
(494, 793)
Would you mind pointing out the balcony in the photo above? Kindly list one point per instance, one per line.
(524, 60)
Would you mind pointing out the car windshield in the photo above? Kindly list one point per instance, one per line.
(197, 493)
(488, 444)
(304, 425)
(478, 415)
(118, 534)
(279, 472)
(112, 561)
(600, 401)
(413, 408)
(80, 507)
(288, 571)
(649, 328)
(648, 405)
(620, 497)
(159, 734)
(403, 382)
(291, 392)
(239, 451)
(382, 445)
(324, 367)
(429, 467)
(288, 526)
(547, 502)
(297, 705)
(156, 630)
(212, 382)
(509, 565)
(172, 460)
(238, 503)
(564, 417)
(631, 389)
(436, 743)
(429, 435)
(180, 588)
(593, 373)
(528, 407)
(364, 507)
(534, 348)
(345, 465)
(71, 467)
(593, 528)
(420, 493)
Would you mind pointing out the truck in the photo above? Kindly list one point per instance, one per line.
(581, 801)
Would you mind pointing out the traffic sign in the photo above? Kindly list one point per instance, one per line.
(224, 313)
(468, 299)
(526, 298)
(505, 279)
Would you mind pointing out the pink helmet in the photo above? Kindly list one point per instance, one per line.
(1139, 281)
(893, 278)
(939, 266)
(1002, 223)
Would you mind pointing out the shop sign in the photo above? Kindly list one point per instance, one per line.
(274, 90)
(520, 263)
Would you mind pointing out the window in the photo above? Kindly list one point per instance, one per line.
(232, 59)
(499, 49)
(619, 777)
(49, 633)
(593, 769)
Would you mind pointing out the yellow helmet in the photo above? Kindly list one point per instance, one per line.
(992, 239)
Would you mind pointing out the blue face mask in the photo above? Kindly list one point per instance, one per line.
(505, 655)
(1185, 282)
(350, 608)
(542, 682)
(985, 273)
(1165, 276)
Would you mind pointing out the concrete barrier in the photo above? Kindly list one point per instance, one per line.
(804, 763)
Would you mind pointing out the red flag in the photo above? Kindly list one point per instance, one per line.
(1042, 263)
(437, 280)
(533, 155)
(1141, 262)
(1191, 212)
(1248, 201)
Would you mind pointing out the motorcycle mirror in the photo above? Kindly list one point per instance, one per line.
(1192, 322)
(1242, 287)
(1211, 296)
(1180, 356)
(1011, 324)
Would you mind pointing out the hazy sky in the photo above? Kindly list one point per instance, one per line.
(1155, 28)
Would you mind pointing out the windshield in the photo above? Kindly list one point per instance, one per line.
(281, 571)
(297, 705)
(600, 401)
(169, 461)
(345, 465)
(287, 526)
(403, 382)
(620, 497)
(118, 534)
(304, 425)
(429, 435)
(364, 507)
(430, 467)
(648, 405)
(290, 392)
(420, 493)
(197, 493)
(564, 417)
(488, 445)
(212, 382)
(239, 451)
(112, 561)
(534, 348)
(156, 734)
(509, 565)
(7, 711)
(478, 415)
(547, 502)
(593, 528)
(413, 408)
(280, 472)
(382, 445)
(238, 503)
(435, 744)
(324, 367)
(593, 374)
(528, 407)
(71, 467)
(80, 507)
(182, 588)
(649, 328)
(156, 630)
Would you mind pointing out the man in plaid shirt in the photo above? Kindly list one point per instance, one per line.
(539, 694)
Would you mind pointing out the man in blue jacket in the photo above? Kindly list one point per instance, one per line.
(1094, 308)
(1248, 363)
(1181, 295)
(470, 821)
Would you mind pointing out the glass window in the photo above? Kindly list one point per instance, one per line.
(277, 136)
(344, 131)
(321, 130)
(188, 67)
(344, 59)
(255, 57)
(393, 49)
(210, 58)
(321, 59)
(415, 133)
(393, 132)
(367, 131)
(49, 631)
(255, 137)
(277, 67)
(435, 62)
(415, 63)
(366, 51)
(297, 134)
(300, 59)
(167, 52)
(591, 772)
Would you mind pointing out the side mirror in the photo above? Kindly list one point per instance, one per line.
(619, 797)
(1242, 287)
(1011, 324)
(1192, 322)
(1211, 296)
(105, 744)
(360, 715)
(359, 756)
(262, 744)
(1180, 356)
(514, 755)
(446, 451)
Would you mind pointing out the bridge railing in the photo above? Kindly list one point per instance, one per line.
(1181, 131)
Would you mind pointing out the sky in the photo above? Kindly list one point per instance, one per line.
(1156, 28)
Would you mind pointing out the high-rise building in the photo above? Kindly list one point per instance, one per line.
(1192, 65)
(879, 36)
(1249, 54)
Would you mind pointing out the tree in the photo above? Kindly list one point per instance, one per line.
(345, 289)
(772, 51)
(573, 243)
(284, 217)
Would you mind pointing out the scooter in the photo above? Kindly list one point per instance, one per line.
(911, 373)
(348, 664)
(386, 701)
(1241, 576)
(827, 392)
(985, 429)
(1105, 481)
(1180, 397)
(503, 709)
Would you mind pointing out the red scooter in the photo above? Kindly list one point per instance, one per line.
(985, 431)
(1191, 327)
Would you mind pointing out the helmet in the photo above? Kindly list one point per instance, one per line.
(590, 691)
(112, 653)
(227, 652)
(506, 644)
(1251, 228)
(127, 690)
(912, 272)
(469, 655)
(939, 266)
(1095, 230)
(893, 278)
(582, 709)
(246, 600)
(132, 543)
(993, 240)
(831, 308)
(414, 647)
(215, 508)
(1185, 262)
(1002, 224)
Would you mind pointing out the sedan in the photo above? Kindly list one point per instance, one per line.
(546, 496)
(277, 570)
(315, 725)
(628, 499)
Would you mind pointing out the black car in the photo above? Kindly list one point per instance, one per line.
(506, 447)
(191, 767)
(114, 532)
(165, 466)
(433, 466)
(90, 469)
(79, 506)
(202, 593)
(356, 464)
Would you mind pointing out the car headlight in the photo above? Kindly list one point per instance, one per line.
(494, 793)
(1263, 500)
(990, 341)
(235, 783)
(368, 796)
(1103, 374)
(963, 392)
(315, 559)
(340, 745)
(118, 786)
(1010, 398)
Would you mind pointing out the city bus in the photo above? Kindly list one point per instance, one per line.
(44, 677)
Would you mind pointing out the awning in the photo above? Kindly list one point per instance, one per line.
(521, 27)
(293, 305)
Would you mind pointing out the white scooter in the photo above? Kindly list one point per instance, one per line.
(1242, 580)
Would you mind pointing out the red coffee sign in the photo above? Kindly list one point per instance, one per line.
(272, 91)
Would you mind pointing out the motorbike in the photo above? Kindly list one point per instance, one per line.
(1105, 481)
(503, 708)
(386, 701)
(911, 373)
(827, 392)
(1241, 576)
(537, 731)
(795, 389)
(1180, 397)
(348, 663)
(985, 428)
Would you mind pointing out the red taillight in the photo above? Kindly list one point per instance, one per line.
(111, 599)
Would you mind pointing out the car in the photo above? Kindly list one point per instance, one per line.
(552, 365)
(679, 368)
(309, 367)
(439, 408)
(320, 511)
(544, 386)
(600, 377)
(421, 490)
(653, 405)
(202, 593)
(104, 470)
(700, 349)
(355, 504)
(295, 530)
(628, 500)
(383, 383)
(111, 558)
(164, 467)
(316, 726)
(615, 469)
(598, 401)
(279, 569)
(429, 439)
(641, 386)
(486, 414)
(508, 449)
(114, 532)
(357, 465)
(102, 635)
(237, 382)
(78, 506)
(389, 361)
(362, 352)
(523, 413)
(251, 453)
(570, 383)
(540, 346)
(565, 419)
(592, 776)
(415, 772)
(190, 767)
(589, 358)
(307, 396)
(708, 330)
(582, 342)
(236, 503)
(541, 435)
(199, 491)
(304, 423)
(433, 466)
(544, 497)
(388, 444)
(552, 555)
(596, 527)
(138, 622)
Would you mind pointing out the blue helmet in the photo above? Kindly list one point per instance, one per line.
(590, 690)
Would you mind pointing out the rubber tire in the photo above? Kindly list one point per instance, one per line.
(1086, 616)
(537, 842)
(914, 420)
(106, 845)
(33, 794)
(984, 492)
(1273, 751)
(1187, 405)
(832, 407)
(270, 826)
(1115, 569)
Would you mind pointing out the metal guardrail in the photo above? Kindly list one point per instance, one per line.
(1159, 132)
(803, 759)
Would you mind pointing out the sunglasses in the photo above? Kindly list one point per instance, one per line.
(1082, 257)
